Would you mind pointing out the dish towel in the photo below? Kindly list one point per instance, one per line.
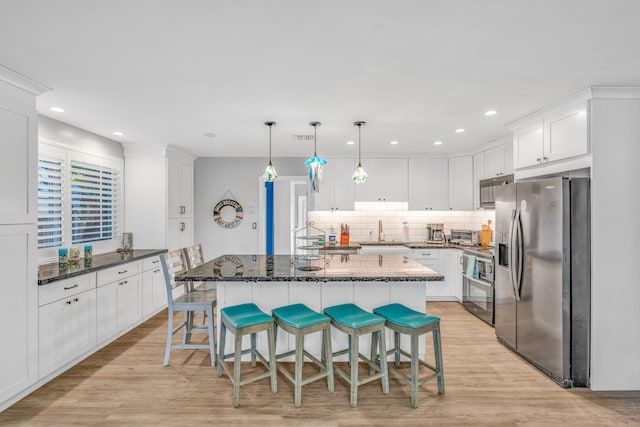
(472, 267)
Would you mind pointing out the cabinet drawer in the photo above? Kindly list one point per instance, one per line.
(151, 262)
(64, 288)
(425, 254)
(118, 272)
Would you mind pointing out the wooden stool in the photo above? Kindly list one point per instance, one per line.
(242, 320)
(403, 320)
(354, 321)
(299, 320)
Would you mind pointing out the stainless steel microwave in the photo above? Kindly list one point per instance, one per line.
(487, 187)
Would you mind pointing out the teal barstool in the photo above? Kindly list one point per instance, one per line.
(354, 321)
(403, 320)
(299, 320)
(242, 320)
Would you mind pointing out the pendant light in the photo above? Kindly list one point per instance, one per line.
(315, 163)
(359, 176)
(270, 173)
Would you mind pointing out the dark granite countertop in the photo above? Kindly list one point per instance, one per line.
(48, 273)
(282, 268)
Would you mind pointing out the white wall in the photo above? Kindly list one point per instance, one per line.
(615, 288)
(213, 177)
(50, 130)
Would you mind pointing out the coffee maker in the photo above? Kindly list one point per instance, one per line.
(435, 233)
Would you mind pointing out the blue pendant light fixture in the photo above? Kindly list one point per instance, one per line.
(359, 176)
(270, 173)
(315, 163)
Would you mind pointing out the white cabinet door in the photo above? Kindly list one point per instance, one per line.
(508, 158)
(179, 233)
(496, 163)
(154, 294)
(528, 145)
(337, 187)
(118, 306)
(387, 181)
(478, 174)
(179, 189)
(428, 184)
(107, 306)
(566, 134)
(18, 309)
(128, 301)
(18, 167)
(461, 183)
(174, 188)
(67, 329)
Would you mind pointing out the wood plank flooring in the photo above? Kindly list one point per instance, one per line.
(486, 384)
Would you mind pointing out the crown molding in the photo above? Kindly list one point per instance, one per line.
(22, 82)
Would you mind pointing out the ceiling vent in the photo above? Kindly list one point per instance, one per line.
(303, 138)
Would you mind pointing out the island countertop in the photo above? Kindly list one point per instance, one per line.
(279, 268)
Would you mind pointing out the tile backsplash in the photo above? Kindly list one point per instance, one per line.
(364, 223)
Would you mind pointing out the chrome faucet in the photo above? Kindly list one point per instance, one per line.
(380, 234)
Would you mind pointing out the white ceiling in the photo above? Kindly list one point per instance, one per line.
(167, 72)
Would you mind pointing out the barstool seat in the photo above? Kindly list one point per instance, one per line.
(403, 320)
(354, 321)
(299, 320)
(242, 320)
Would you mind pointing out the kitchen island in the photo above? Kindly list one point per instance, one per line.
(274, 281)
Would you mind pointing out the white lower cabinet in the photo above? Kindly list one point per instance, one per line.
(154, 293)
(118, 306)
(447, 263)
(67, 329)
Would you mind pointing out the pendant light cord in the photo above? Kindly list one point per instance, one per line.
(270, 144)
(359, 139)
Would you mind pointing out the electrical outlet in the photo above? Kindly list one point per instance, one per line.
(254, 225)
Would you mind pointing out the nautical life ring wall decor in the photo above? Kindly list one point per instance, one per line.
(217, 213)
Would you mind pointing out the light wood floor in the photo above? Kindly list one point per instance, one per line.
(486, 384)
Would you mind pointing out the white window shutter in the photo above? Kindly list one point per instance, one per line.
(51, 202)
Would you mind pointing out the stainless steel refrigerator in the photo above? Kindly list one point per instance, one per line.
(542, 282)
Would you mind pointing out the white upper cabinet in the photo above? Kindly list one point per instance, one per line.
(387, 181)
(461, 183)
(478, 174)
(558, 133)
(429, 184)
(498, 161)
(180, 189)
(337, 187)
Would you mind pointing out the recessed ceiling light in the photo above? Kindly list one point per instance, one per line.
(57, 109)
(210, 135)
(351, 142)
(437, 143)
(490, 113)
(394, 142)
(116, 133)
(459, 130)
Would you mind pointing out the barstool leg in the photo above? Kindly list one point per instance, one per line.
(298, 368)
(438, 351)
(167, 351)
(374, 355)
(272, 358)
(253, 350)
(383, 362)
(414, 370)
(353, 356)
(223, 339)
(237, 357)
(327, 356)
(212, 337)
(396, 342)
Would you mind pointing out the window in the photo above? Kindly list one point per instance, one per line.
(78, 200)
(50, 201)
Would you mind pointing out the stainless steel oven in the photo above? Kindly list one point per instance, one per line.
(477, 284)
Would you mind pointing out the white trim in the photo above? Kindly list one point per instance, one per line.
(553, 168)
(22, 82)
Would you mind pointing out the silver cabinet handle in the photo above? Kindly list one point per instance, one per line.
(123, 283)
(182, 226)
(545, 159)
(156, 261)
(68, 302)
(122, 272)
(70, 287)
(538, 159)
(156, 270)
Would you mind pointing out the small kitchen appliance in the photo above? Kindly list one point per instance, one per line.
(465, 237)
(435, 233)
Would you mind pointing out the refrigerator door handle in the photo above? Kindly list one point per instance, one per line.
(512, 258)
(520, 249)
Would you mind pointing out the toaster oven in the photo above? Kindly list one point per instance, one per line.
(465, 237)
